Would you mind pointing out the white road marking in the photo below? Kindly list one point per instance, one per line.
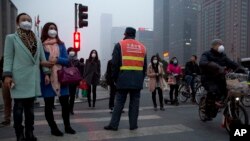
(120, 134)
(87, 120)
(90, 111)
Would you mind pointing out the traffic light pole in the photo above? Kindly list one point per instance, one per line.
(76, 17)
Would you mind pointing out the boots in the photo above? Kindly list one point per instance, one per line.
(55, 131)
(19, 133)
(69, 130)
(20, 137)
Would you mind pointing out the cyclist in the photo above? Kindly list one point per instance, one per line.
(191, 71)
(213, 64)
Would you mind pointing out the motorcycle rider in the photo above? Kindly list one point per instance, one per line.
(213, 64)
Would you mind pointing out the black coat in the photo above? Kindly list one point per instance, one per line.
(108, 74)
(92, 72)
(192, 68)
(81, 67)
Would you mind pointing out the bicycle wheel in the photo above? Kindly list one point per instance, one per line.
(183, 94)
(239, 116)
(200, 92)
(245, 100)
(202, 109)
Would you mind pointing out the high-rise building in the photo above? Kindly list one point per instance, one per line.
(228, 20)
(175, 27)
(145, 36)
(105, 38)
(8, 13)
(117, 34)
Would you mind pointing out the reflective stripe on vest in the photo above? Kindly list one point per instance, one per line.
(133, 54)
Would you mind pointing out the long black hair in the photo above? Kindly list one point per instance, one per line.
(45, 30)
(90, 57)
(155, 66)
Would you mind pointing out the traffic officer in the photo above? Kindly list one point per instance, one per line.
(128, 70)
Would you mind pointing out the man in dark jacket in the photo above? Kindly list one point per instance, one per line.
(213, 64)
(191, 71)
(129, 69)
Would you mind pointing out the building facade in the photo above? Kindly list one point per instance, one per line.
(105, 38)
(228, 20)
(8, 13)
(145, 36)
(175, 27)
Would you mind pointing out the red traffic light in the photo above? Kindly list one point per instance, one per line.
(77, 41)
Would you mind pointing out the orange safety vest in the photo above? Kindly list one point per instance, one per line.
(133, 54)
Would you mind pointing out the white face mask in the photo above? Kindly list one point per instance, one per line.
(221, 49)
(25, 25)
(52, 33)
(72, 53)
(175, 61)
(155, 61)
(93, 55)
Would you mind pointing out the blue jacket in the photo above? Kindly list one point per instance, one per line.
(47, 90)
(126, 79)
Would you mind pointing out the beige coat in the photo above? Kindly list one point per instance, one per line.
(152, 77)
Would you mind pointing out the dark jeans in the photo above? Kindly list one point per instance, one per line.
(7, 104)
(89, 94)
(174, 90)
(190, 81)
(49, 103)
(112, 96)
(72, 93)
(133, 113)
(25, 105)
(160, 97)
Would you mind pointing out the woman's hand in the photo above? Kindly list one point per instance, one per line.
(47, 80)
(53, 60)
(7, 82)
(46, 64)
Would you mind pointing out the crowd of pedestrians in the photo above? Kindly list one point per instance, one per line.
(30, 69)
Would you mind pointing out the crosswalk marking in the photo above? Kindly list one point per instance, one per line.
(106, 110)
(120, 134)
(86, 120)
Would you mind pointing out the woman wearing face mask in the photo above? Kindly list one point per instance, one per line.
(175, 70)
(23, 54)
(74, 62)
(92, 75)
(56, 53)
(155, 73)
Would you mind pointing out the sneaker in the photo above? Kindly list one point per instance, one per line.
(162, 109)
(155, 108)
(134, 128)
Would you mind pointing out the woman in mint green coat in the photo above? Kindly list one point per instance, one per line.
(23, 56)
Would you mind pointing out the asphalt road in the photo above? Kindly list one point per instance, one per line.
(176, 123)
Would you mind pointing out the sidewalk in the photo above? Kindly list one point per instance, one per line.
(101, 94)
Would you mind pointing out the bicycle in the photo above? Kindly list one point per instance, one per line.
(233, 111)
(185, 92)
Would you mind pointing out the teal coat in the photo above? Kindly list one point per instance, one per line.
(23, 67)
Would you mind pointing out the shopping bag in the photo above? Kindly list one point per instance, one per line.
(165, 85)
(171, 80)
(83, 85)
(84, 93)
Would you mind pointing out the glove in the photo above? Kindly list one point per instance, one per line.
(222, 70)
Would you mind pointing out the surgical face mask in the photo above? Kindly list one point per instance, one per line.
(25, 25)
(93, 55)
(175, 62)
(52, 33)
(155, 61)
(221, 49)
(72, 53)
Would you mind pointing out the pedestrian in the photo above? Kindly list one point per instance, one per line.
(191, 71)
(56, 53)
(111, 83)
(128, 70)
(155, 73)
(73, 62)
(6, 100)
(81, 67)
(174, 70)
(23, 54)
(92, 75)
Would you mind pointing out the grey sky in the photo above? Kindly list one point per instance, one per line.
(136, 13)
